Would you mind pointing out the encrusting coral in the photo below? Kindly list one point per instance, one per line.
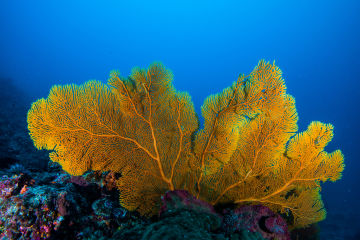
(248, 151)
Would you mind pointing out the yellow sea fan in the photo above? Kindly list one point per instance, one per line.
(248, 151)
(139, 126)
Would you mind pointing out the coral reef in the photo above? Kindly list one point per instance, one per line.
(54, 205)
(182, 216)
(181, 199)
(248, 151)
(256, 218)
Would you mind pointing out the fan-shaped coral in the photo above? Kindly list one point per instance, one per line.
(140, 126)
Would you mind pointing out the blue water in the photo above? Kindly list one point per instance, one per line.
(206, 44)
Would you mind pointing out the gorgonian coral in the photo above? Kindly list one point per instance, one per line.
(248, 151)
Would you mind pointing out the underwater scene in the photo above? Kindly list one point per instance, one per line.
(179, 120)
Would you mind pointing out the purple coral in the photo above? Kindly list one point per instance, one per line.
(256, 218)
(182, 199)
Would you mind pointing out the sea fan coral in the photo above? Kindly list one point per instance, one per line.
(141, 127)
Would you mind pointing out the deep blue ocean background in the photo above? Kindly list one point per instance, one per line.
(206, 44)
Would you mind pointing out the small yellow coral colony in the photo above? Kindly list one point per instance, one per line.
(248, 151)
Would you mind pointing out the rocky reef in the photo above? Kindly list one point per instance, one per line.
(55, 205)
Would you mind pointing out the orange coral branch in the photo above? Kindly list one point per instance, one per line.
(131, 101)
(107, 136)
(203, 156)
(283, 188)
(180, 145)
(165, 179)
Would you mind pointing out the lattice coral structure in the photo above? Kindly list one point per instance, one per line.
(140, 126)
